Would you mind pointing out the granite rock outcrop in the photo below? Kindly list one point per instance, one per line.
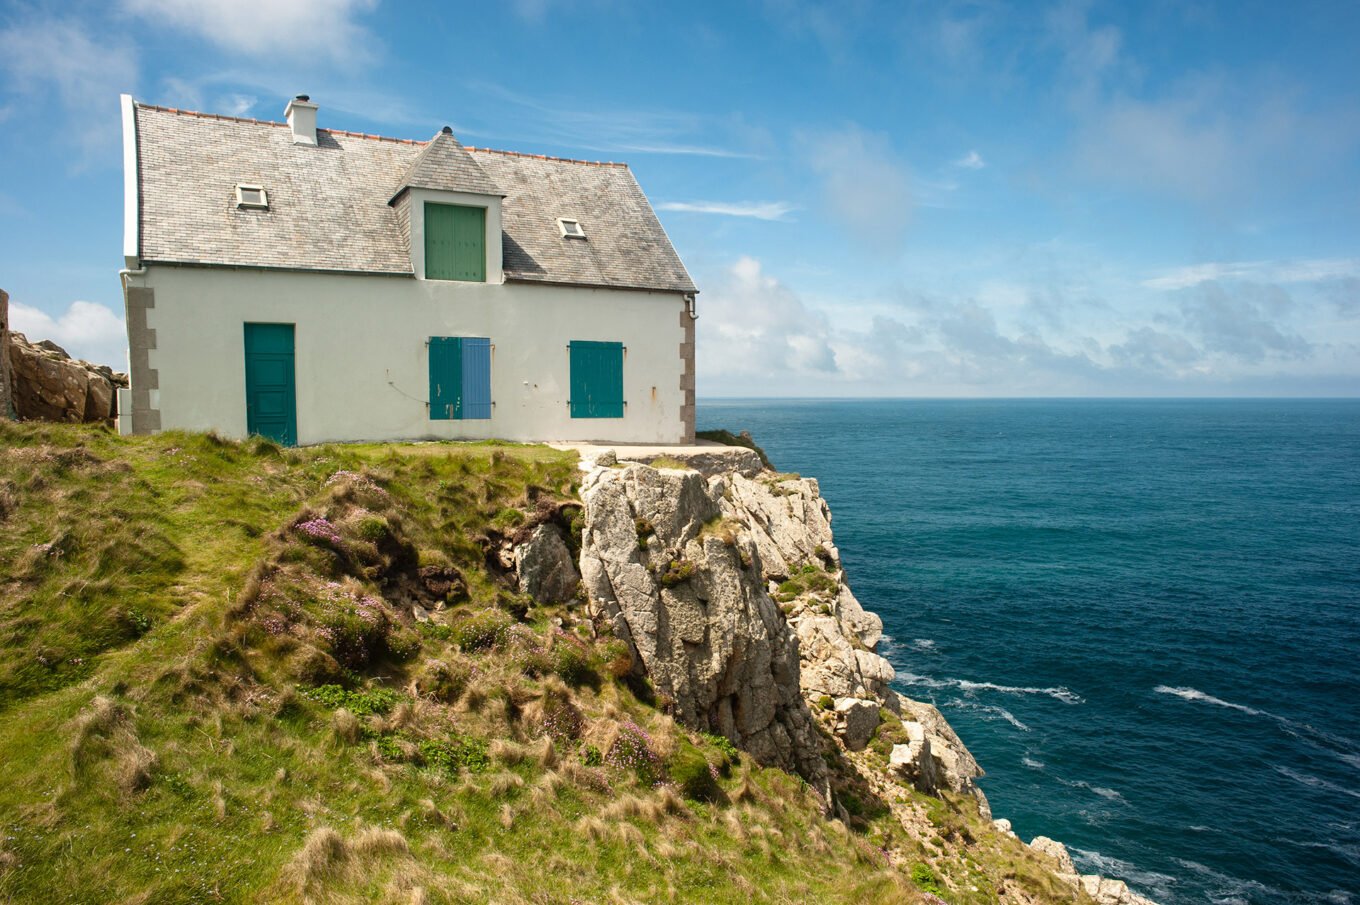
(727, 585)
(47, 384)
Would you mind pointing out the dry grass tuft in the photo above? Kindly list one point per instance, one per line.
(506, 752)
(134, 763)
(735, 828)
(345, 725)
(375, 841)
(93, 727)
(592, 828)
(507, 816)
(584, 777)
(669, 802)
(504, 783)
(628, 806)
(628, 834)
(321, 857)
(219, 800)
(545, 753)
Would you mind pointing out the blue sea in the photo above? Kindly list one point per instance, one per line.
(1142, 616)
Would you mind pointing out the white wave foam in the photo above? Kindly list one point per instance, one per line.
(992, 709)
(1032, 763)
(1160, 885)
(1344, 749)
(1102, 791)
(1316, 782)
(1230, 890)
(1194, 694)
(923, 644)
(1349, 853)
(970, 687)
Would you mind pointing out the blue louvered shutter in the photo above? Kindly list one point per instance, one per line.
(476, 377)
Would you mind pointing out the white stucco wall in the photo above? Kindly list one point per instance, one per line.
(361, 357)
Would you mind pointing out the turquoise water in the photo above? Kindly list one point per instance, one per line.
(1143, 617)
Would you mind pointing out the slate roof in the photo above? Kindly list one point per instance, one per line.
(329, 205)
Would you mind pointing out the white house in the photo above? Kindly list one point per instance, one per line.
(313, 284)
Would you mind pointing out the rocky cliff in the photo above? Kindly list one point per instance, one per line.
(725, 579)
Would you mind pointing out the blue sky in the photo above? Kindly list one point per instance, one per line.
(905, 199)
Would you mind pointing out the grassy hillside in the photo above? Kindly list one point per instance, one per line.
(215, 687)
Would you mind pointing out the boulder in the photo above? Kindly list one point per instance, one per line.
(915, 761)
(1111, 892)
(49, 385)
(545, 567)
(857, 622)
(856, 720)
(1056, 852)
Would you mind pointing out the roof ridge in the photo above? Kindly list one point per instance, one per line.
(589, 163)
(178, 111)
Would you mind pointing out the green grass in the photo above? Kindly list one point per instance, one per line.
(212, 688)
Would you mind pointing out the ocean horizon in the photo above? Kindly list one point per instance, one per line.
(1142, 615)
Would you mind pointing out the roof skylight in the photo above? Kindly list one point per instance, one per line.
(571, 229)
(251, 197)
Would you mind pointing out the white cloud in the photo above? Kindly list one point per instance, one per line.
(1090, 54)
(298, 28)
(553, 122)
(760, 210)
(1244, 322)
(1302, 271)
(86, 74)
(760, 336)
(753, 331)
(971, 161)
(865, 185)
(85, 330)
(1221, 141)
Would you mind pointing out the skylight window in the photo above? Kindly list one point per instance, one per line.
(571, 229)
(251, 197)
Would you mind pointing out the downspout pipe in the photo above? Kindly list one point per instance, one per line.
(689, 306)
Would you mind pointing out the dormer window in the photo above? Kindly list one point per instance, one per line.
(571, 229)
(251, 197)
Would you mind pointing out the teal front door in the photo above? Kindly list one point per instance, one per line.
(271, 395)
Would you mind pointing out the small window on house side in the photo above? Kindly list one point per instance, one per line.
(571, 229)
(252, 197)
(596, 379)
(460, 378)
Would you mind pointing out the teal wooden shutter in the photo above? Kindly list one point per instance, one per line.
(460, 378)
(596, 380)
(476, 376)
(455, 242)
(446, 375)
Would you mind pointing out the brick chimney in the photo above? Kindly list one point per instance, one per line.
(301, 113)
